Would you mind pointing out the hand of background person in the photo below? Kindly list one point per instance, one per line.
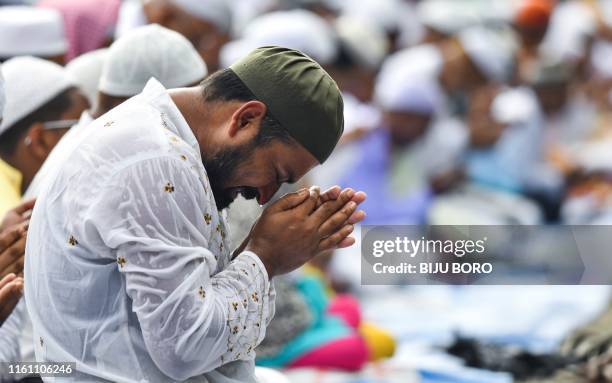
(12, 249)
(17, 215)
(11, 289)
(294, 229)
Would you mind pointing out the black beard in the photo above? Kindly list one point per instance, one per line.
(221, 168)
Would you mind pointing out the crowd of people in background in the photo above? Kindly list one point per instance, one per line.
(456, 112)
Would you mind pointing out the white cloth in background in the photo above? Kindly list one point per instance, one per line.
(128, 268)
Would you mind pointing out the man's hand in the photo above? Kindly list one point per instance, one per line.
(334, 192)
(12, 250)
(11, 289)
(17, 215)
(293, 230)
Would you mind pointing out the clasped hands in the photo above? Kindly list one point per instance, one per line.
(301, 225)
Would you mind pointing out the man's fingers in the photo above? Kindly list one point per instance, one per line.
(326, 210)
(309, 204)
(14, 267)
(359, 197)
(289, 201)
(356, 217)
(328, 195)
(8, 237)
(11, 259)
(333, 240)
(337, 220)
(4, 281)
(9, 297)
(346, 242)
(25, 206)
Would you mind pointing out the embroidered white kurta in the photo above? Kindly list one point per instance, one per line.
(128, 270)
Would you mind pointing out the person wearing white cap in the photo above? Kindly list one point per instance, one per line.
(362, 47)
(42, 103)
(151, 51)
(26, 30)
(396, 163)
(470, 59)
(206, 23)
(296, 29)
(146, 52)
(86, 70)
(11, 286)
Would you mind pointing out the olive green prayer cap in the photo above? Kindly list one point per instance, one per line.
(299, 94)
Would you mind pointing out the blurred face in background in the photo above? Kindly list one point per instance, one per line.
(459, 72)
(484, 130)
(552, 97)
(405, 127)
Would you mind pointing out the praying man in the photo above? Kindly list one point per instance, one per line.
(128, 267)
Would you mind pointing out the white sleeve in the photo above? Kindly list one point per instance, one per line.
(193, 319)
(10, 333)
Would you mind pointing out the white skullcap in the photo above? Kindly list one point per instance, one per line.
(514, 106)
(87, 70)
(446, 16)
(150, 51)
(399, 88)
(365, 41)
(2, 96)
(297, 29)
(491, 51)
(386, 13)
(30, 83)
(26, 30)
(217, 12)
(420, 96)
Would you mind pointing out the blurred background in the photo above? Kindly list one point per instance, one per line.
(457, 112)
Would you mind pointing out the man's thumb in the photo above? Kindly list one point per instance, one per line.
(291, 200)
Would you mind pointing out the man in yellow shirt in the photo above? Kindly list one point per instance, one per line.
(41, 104)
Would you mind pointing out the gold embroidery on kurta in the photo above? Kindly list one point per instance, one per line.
(169, 188)
(202, 292)
(121, 261)
(72, 241)
(207, 218)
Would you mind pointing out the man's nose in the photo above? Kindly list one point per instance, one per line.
(266, 193)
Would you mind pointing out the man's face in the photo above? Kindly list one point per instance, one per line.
(256, 172)
(406, 127)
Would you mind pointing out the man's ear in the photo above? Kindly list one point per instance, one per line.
(248, 116)
(35, 141)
